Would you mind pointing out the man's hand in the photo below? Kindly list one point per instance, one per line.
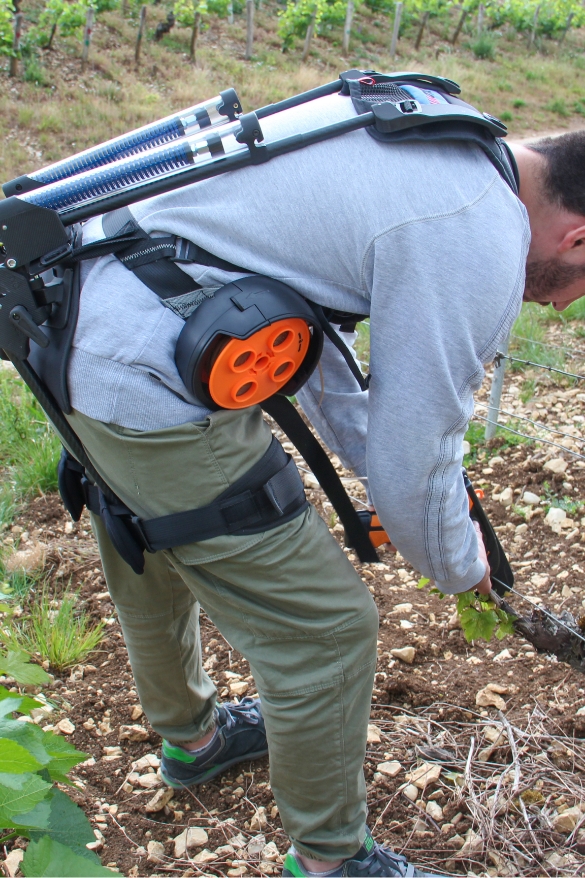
(485, 585)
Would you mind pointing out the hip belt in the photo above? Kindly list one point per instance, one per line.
(268, 495)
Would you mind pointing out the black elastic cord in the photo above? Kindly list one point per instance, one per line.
(289, 420)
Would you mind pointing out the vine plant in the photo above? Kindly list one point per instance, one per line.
(479, 617)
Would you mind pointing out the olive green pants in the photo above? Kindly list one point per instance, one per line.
(287, 599)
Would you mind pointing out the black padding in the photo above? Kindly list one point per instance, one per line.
(70, 481)
(124, 541)
(500, 567)
(289, 420)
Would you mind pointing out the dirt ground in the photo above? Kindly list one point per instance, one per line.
(499, 777)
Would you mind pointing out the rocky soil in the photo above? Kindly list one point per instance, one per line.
(476, 752)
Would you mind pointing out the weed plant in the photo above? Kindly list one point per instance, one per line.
(484, 47)
(61, 635)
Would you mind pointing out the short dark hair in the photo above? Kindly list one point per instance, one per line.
(564, 182)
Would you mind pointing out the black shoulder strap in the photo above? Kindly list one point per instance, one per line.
(289, 420)
(400, 117)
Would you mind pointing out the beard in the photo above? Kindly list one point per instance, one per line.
(546, 277)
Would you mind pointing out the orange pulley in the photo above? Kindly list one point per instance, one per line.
(255, 337)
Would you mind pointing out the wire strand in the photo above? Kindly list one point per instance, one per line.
(547, 344)
(529, 420)
(500, 356)
(532, 438)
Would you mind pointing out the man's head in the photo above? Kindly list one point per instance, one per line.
(552, 186)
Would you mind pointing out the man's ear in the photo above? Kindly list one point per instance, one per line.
(573, 239)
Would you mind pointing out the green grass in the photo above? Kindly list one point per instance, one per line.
(530, 329)
(29, 450)
(61, 634)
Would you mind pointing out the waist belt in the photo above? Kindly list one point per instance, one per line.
(269, 494)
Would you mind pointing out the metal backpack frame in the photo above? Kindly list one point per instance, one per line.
(39, 279)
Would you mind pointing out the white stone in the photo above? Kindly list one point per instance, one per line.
(270, 852)
(567, 821)
(65, 726)
(389, 769)
(133, 733)
(151, 760)
(28, 560)
(159, 800)
(405, 654)
(259, 820)
(530, 498)
(506, 498)
(426, 773)
(204, 856)
(411, 792)
(502, 656)
(556, 465)
(190, 838)
(156, 852)
(555, 514)
(374, 735)
(402, 608)
(434, 810)
(12, 862)
(539, 579)
(148, 781)
(487, 698)
(239, 687)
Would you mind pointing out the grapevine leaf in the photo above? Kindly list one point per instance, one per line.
(26, 734)
(465, 599)
(67, 825)
(36, 819)
(15, 759)
(48, 858)
(422, 582)
(16, 663)
(476, 624)
(20, 801)
(25, 705)
(63, 756)
(506, 628)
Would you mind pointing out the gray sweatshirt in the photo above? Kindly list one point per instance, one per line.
(427, 239)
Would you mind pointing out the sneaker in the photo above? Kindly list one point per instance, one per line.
(240, 736)
(371, 859)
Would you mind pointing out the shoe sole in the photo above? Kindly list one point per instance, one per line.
(213, 772)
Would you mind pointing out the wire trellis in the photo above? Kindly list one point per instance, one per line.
(501, 356)
(532, 438)
(571, 352)
(537, 424)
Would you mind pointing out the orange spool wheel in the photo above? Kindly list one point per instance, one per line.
(247, 371)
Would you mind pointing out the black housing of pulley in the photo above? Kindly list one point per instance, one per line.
(238, 310)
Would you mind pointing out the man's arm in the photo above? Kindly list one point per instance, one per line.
(445, 294)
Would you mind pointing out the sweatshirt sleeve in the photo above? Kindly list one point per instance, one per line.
(445, 293)
(337, 408)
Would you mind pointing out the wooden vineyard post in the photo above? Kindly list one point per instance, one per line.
(87, 32)
(534, 26)
(347, 27)
(566, 28)
(459, 28)
(141, 29)
(230, 11)
(16, 43)
(249, 28)
(194, 35)
(480, 15)
(396, 30)
(421, 30)
(309, 36)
